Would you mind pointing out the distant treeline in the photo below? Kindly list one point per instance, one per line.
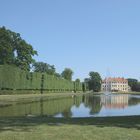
(13, 78)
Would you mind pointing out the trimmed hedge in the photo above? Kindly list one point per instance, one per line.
(13, 78)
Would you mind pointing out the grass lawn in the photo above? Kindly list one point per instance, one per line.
(43, 128)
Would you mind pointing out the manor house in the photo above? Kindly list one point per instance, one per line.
(115, 85)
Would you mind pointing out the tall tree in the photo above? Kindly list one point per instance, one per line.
(132, 83)
(86, 82)
(95, 81)
(67, 74)
(44, 68)
(14, 50)
(77, 80)
(40, 67)
(6, 47)
(57, 75)
(77, 84)
(137, 87)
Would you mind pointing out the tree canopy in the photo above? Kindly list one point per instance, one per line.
(134, 84)
(94, 81)
(77, 80)
(44, 68)
(14, 50)
(67, 74)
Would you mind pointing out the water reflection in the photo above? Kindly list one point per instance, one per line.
(79, 106)
(115, 101)
(93, 103)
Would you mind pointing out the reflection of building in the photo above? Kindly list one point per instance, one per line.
(115, 101)
(115, 84)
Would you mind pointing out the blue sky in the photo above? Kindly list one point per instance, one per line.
(85, 35)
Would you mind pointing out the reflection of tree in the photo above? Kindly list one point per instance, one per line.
(77, 101)
(67, 113)
(55, 106)
(133, 101)
(41, 107)
(93, 102)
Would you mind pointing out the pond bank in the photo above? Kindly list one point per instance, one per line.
(35, 97)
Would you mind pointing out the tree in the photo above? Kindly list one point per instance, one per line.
(77, 84)
(6, 47)
(40, 67)
(67, 74)
(137, 87)
(57, 75)
(14, 50)
(25, 53)
(86, 82)
(51, 69)
(132, 83)
(95, 81)
(77, 80)
(44, 68)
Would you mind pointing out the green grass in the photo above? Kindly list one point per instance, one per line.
(43, 128)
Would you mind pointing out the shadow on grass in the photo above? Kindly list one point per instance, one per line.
(27, 123)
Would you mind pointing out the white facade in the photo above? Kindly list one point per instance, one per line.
(115, 84)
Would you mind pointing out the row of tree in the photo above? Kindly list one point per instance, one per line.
(16, 51)
(51, 70)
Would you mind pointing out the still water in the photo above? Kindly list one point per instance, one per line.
(80, 106)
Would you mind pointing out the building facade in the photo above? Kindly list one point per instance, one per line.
(115, 85)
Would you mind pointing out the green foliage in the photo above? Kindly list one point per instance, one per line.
(13, 78)
(44, 68)
(57, 75)
(78, 85)
(94, 81)
(137, 87)
(14, 50)
(77, 80)
(67, 74)
(24, 55)
(132, 83)
(86, 83)
(6, 47)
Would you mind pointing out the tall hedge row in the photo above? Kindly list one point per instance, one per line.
(13, 78)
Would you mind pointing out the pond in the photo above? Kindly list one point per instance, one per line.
(79, 106)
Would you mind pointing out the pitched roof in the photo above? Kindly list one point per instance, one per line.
(117, 79)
